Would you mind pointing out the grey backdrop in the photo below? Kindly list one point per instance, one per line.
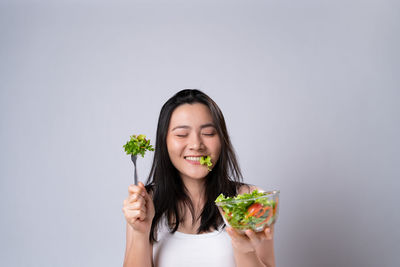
(309, 89)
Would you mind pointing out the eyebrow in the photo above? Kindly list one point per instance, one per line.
(188, 127)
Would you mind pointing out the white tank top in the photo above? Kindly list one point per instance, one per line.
(212, 249)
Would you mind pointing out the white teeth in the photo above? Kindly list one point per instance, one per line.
(193, 158)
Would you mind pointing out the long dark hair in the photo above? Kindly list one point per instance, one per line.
(165, 183)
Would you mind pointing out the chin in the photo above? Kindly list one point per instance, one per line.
(198, 175)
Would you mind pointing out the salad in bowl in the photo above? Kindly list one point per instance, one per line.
(255, 210)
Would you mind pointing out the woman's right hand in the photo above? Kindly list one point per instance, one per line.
(139, 209)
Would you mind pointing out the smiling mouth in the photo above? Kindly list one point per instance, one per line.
(193, 158)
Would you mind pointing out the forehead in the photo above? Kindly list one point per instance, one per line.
(191, 115)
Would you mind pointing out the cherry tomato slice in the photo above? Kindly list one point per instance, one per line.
(257, 210)
(253, 209)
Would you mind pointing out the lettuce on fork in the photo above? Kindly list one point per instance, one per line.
(138, 145)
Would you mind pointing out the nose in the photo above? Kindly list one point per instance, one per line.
(196, 143)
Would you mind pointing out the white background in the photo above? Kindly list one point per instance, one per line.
(309, 90)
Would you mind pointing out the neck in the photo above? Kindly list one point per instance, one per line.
(196, 189)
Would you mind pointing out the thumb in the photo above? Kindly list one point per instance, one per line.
(141, 184)
(145, 194)
(143, 191)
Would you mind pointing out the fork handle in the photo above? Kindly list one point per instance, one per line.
(133, 158)
(135, 178)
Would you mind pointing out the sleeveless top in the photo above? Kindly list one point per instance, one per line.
(212, 249)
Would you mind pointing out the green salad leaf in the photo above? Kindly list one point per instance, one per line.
(206, 160)
(138, 145)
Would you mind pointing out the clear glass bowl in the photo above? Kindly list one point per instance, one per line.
(251, 213)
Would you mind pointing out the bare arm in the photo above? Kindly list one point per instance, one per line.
(248, 259)
(139, 251)
(265, 251)
(139, 212)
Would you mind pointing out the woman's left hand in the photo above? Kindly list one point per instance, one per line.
(251, 241)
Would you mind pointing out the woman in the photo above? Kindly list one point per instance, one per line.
(173, 221)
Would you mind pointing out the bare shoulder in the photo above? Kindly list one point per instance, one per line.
(248, 188)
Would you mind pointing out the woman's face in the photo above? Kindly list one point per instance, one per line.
(192, 134)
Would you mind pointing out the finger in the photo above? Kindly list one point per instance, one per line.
(255, 239)
(145, 193)
(140, 184)
(272, 227)
(235, 235)
(136, 198)
(137, 206)
(142, 189)
(134, 214)
(268, 233)
(132, 189)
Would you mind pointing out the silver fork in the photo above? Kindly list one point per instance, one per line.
(133, 158)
